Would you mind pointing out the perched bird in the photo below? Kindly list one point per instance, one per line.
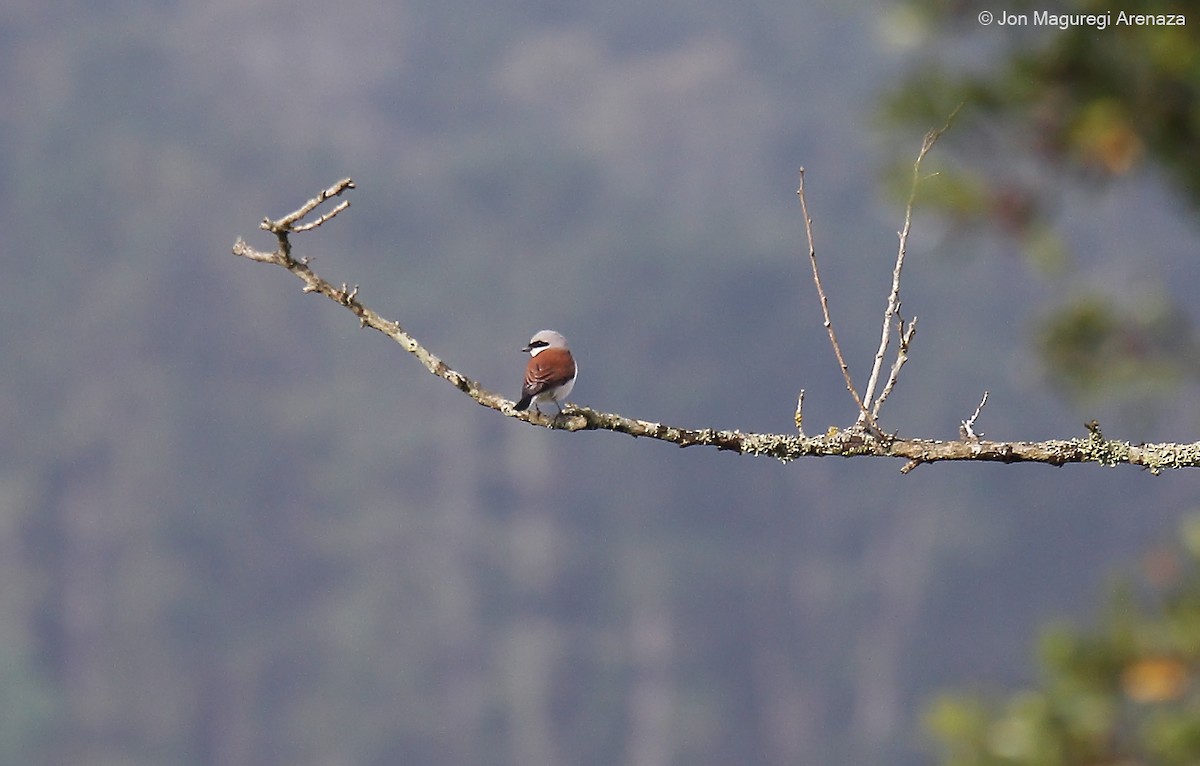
(550, 374)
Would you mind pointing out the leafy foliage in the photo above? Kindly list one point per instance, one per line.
(1060, 109)
(1092, 344)
(1124, 691)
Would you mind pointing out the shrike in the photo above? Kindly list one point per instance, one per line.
(550, 374)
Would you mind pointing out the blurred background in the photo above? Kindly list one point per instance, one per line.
(237, 530)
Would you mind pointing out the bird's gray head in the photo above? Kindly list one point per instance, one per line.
(544, 340)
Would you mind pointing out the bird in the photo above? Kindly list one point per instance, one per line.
(550, 374)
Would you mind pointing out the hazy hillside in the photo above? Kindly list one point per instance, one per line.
(235, 530)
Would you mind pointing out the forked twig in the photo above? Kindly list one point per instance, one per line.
(286, 225)
(288, 222)
(966, 428)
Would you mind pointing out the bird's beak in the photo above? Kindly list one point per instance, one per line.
(527, 349)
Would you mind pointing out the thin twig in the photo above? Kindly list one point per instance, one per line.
(812, 258)
(314, 224)
(966, 428)
(893, 303)
(906, 333)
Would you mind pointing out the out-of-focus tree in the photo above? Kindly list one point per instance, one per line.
(1054, 107)
(1125, 691)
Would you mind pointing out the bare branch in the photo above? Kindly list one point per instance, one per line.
(812, 258)
(784, 447)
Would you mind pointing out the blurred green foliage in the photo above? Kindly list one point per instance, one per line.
(1125, 691)
(1097, 103)
(1092, 343)
(1051, 111)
